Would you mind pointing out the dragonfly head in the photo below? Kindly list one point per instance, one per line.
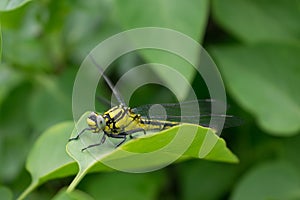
(96, 122)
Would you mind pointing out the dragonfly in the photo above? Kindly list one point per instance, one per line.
(121, 121)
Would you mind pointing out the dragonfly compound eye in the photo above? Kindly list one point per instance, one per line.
(92, 120)
(100, 122)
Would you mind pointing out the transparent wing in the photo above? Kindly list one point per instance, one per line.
(188, 107)
(186, 112)
(229, 120)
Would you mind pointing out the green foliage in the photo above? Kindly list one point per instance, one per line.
(274, 180)
(5, 193)
(7, 5)
(256, 46)
(0, 43)
(270, 79)
(259, 20)
(74, 195)
(214, 178)
(166, 13)
(48, 158)
(136, 186)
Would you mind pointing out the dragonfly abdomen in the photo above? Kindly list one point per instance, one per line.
(149, 124)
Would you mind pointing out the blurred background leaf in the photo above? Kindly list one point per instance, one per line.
(214, 180)
(13, 147)
(259, 20)
(74, 195)
(276, 180)
(47, 159)
(190, 17)
(0, 43)
(56, 93)
(264, 79)
(7, 5)
(5, 193)
(9, 78)
(135, 186)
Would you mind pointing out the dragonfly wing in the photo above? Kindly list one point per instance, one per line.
(188, 108)
(216, 120)
(205, 120)
(172, 112)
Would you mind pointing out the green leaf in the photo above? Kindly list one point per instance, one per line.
(274, 180)
(74, 195)
(136, 186)
(15, 130)
(7, 5)
(289, 150)
(92, 15)
(25, 44)
(200, 179)
(264, 79)
(187, 17)
(146, 152)
(48, 159)
(5, 193)
(190, 16)
(0, 44)
(17, 48)
(259, 20)
(52, 96)
(9, 79)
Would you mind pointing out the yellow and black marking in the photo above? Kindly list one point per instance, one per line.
(120, 121)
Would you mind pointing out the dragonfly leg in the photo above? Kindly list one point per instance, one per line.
(121, 142)
(80, 133)
(92, 145)
(130, 132)
(125, 133)
(120, 135)
(131, 137)
(103, 138)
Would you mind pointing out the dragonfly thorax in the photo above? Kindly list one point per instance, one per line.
(96, 122)
(119, 119)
